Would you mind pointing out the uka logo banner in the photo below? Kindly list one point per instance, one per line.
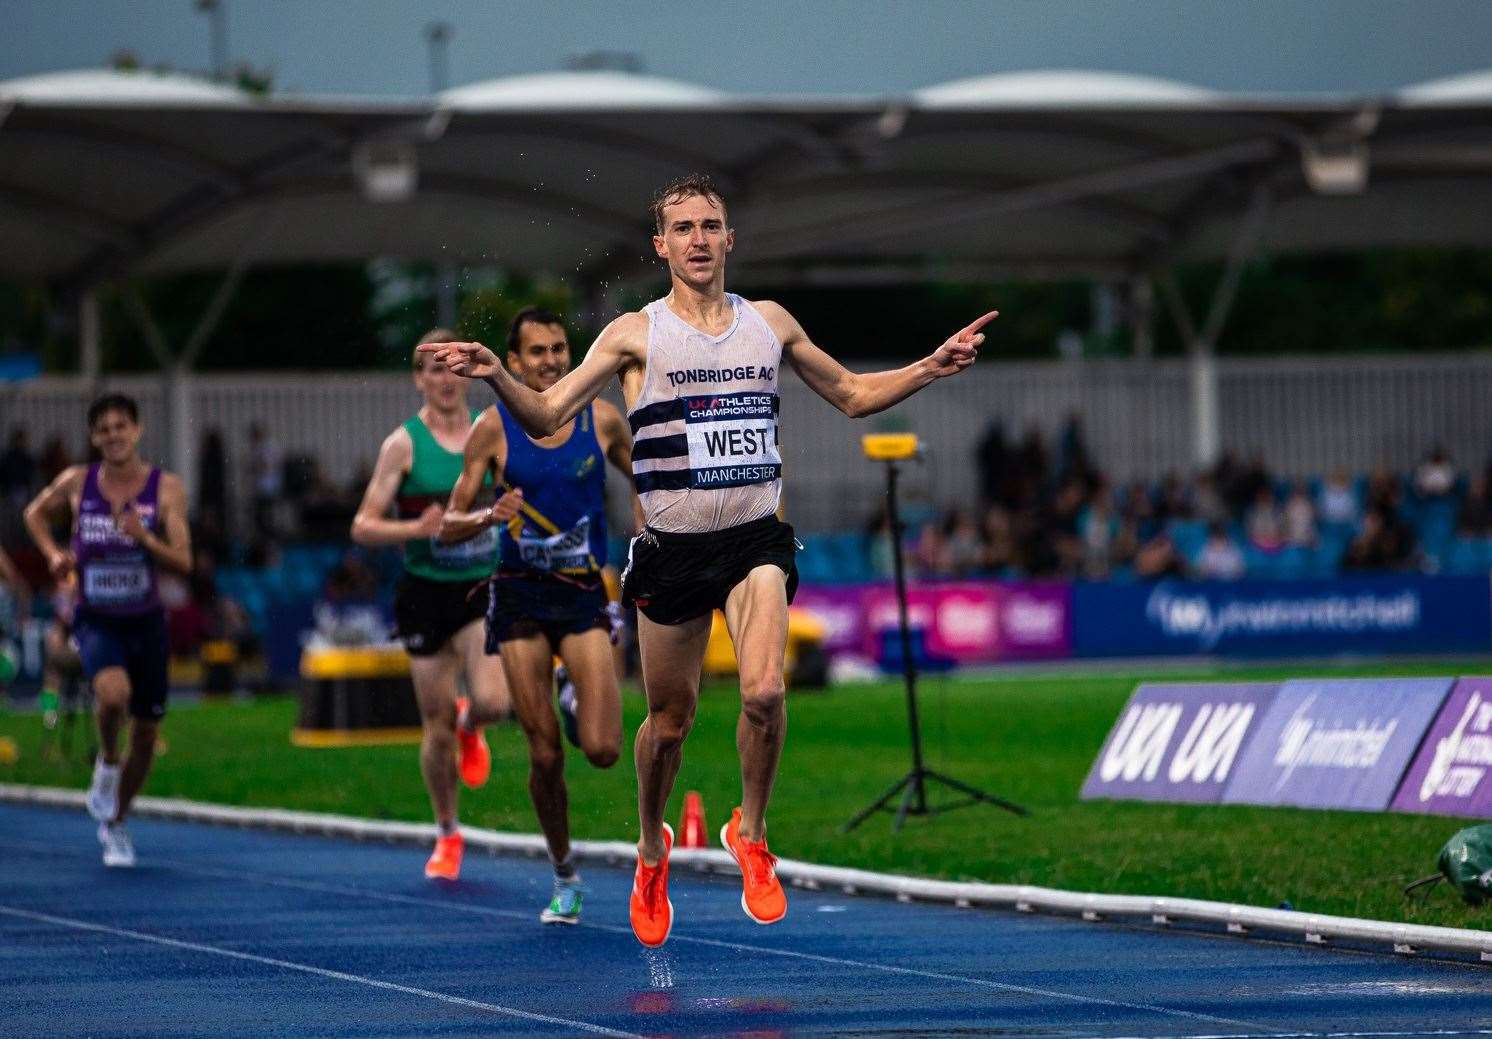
(1452, 774)
(1336, 743)
(1176, 742)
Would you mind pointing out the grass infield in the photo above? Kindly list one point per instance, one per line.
(1027, 738)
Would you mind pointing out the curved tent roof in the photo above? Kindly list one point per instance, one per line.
(117, 87)
(1060, 88)
(581, 89)
(108, 174)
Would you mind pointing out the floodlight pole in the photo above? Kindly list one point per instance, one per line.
(913, 785)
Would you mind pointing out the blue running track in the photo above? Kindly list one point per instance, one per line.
(223, 932)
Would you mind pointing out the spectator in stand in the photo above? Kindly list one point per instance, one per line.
(962, 548)
(1435, 477)
(1264, 523)
(1073, 461)
(1158, 558)
(992, 460)
(1383, 543)
(1098, 528)
(1220, 558)
(1207, 501)
(1383, 490)
(1300, 518)
(1031, 467)
(930, 554)
(17, 470)
(264, 479)
(1065, 552)
(998, 551)
(1172, 500)
(212, 493)
(54, 459)
(1337, 502)
(1475, 518)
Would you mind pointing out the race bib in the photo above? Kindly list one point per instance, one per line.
(732, 439)
(465, 554)
(567, 550)
(116, 584)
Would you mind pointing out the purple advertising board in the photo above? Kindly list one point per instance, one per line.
(1178, 742)
(1336, 743)
(1452, 774)
(969, 622)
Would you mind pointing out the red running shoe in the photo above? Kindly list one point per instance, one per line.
(472, 756)
(650, 909)
(762, 896)
(445, 860)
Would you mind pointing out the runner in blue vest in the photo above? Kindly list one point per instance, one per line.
(547, 596)
(129, 519)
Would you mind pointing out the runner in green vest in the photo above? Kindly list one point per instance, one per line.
(440, 603)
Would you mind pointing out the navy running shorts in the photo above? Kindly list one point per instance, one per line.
(673, 578)
(136, 643)
(523, 604)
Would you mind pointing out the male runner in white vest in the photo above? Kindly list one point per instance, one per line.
(699, 373)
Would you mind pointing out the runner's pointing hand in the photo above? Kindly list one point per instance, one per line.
(960, 349)
(471, 360)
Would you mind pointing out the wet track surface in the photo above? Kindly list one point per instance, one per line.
(221, 932)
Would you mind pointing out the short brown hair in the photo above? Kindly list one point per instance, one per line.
(435, 335)
(685, 187)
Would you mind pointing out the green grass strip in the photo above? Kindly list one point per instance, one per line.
(1029, 738)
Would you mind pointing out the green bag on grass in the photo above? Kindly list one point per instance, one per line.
(1465, 861)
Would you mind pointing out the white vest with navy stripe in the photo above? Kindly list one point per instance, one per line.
(704, 427)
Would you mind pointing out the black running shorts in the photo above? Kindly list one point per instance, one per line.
(429, 613)
(136, 643)
(523, 605)
(673, 578)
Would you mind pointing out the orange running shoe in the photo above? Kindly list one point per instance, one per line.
(761, 895)
(445, 860)
(650, 909)
(472, 757)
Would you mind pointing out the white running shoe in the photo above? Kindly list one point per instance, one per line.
(103, 793)
(118, 850)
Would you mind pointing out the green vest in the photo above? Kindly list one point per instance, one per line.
(433, 472)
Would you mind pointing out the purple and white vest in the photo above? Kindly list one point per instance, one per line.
(116, 575)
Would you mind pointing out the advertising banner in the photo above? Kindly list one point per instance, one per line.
(1452, 774)
(1399, 613)
(1178, 742)
(969, 622)
(1336, 743)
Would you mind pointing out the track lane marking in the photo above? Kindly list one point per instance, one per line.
(1002, 986)
(306, 968)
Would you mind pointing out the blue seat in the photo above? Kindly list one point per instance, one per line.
(1463, 556)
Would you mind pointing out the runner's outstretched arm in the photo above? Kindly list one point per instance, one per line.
(485, 451)
(371, 525)
(541, 414)
(856, 394)
(54, 500)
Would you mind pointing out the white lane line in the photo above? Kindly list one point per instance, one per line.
(1002, 986)
(321, 972)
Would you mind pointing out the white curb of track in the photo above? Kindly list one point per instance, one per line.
(1236, 919)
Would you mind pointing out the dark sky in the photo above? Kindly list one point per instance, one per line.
(779, 46)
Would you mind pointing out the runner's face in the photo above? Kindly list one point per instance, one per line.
(442, 389)
(542, 355)
(695, 241)
(116, 436)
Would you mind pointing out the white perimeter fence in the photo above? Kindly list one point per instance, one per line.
(1307, 415)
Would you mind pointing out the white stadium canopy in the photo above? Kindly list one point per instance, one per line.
(108, 175)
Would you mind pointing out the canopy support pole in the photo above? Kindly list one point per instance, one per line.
(1201, 345)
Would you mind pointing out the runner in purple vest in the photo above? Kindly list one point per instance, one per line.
(128, 519)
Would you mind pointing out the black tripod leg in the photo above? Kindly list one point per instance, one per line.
(876, 805)
(914, 784)
(979, 795)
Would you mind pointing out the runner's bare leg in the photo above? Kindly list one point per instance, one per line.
(598, 697)
(529, 665)
(435, 691)
(486, 684)
(756, 614)
(143, 735)
(671, 658)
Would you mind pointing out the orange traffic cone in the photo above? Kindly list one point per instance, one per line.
(692, 832)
